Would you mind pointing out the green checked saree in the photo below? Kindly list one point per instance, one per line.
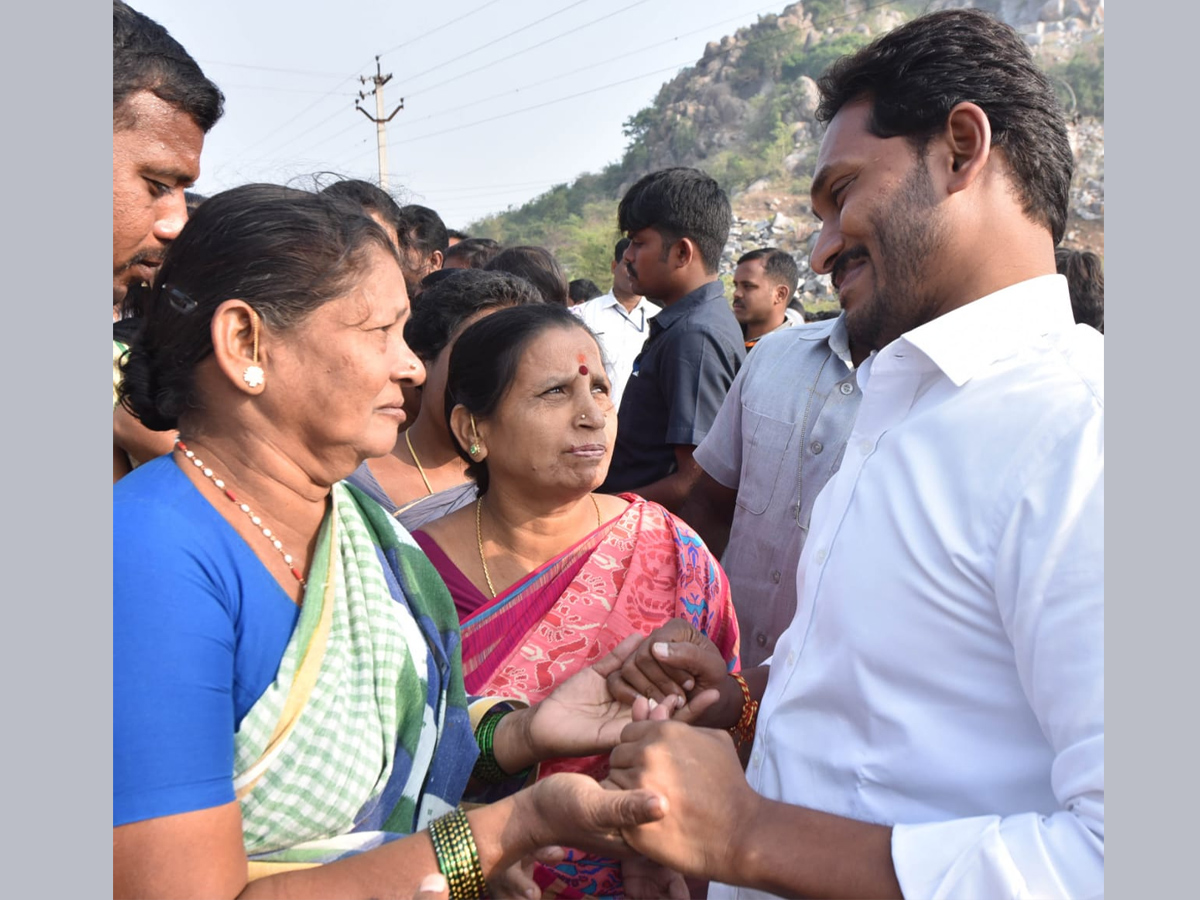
(364, 735)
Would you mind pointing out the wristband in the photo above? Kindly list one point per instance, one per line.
(743, 731)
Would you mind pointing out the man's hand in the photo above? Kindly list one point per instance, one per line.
(699, 834)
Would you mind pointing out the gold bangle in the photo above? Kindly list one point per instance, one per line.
(458, 856)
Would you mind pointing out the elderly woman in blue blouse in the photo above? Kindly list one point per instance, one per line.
(289, 713)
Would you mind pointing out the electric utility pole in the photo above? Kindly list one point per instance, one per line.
(379, 80)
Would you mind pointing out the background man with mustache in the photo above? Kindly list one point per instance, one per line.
(763, 284)
(162, 108)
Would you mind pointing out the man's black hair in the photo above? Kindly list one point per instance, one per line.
(422, 229)
(536, 265)
(475, 252)
(583, 289)
(679, 203)
(453, 234)
(778, 266)
(147, 58)
(370, 197)
(914, 75)
(1084, 271)
(619, 250)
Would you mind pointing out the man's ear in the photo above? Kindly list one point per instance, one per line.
(683, 252)
(967, 141)
(241, 346)
(781, 295)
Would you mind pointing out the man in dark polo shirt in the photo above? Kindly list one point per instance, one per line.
(677, 221)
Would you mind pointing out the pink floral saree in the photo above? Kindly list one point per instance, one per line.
(631, 575)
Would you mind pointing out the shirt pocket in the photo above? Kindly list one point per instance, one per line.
(762, 461)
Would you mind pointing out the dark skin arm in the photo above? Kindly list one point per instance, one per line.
(708, 508)
(673, 489)
(726, 832)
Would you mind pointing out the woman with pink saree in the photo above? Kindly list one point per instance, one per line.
(547, 576)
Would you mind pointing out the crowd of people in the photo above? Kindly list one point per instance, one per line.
(437, 574)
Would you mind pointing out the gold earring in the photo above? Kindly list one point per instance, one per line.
(254, 375)
(473, 450)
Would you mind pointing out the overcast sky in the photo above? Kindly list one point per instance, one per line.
(502, 99)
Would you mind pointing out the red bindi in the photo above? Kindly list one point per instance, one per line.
(583, 370)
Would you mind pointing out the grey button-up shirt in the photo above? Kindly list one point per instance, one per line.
(778, 438)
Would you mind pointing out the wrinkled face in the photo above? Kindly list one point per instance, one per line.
(154, 160)
(882, 235)
(756, 301)
(647, 263)
(553, 430)
(337, 376)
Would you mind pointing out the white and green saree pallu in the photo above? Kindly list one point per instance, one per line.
(364, 735)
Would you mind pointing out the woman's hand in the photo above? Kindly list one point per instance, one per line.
(580, 718)
(574, 810)
(516, 882)
(644, 879)
(675, 660)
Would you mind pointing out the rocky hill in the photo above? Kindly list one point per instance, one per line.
(744, 113)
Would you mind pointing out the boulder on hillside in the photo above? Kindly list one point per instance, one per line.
(809, 98)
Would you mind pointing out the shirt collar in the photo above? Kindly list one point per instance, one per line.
(669, 315)
(967, 340)
(609, 300)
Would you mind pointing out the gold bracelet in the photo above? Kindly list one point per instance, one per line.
(457, 856)
(743, 731)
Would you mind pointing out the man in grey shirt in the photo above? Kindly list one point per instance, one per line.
(777, 439)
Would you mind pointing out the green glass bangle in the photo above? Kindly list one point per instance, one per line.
(486, 769)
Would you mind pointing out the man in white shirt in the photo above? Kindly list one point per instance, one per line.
(620, 319)
(932, 721)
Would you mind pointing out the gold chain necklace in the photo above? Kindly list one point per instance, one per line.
(479, 538)
(408, 441)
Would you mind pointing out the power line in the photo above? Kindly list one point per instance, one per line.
(284, 90)
(307, 72)
(274, 132)
(548, 40)
(458, 18)
(502, 37)
(616, 83)
(514, 112)
(678, 66)
(603, 62)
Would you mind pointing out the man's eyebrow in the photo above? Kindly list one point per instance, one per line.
(169, 174)
(818, 185)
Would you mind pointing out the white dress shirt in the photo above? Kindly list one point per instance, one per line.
(621, 335)
(944, 672)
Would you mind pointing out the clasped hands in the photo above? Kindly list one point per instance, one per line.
(675, 793)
